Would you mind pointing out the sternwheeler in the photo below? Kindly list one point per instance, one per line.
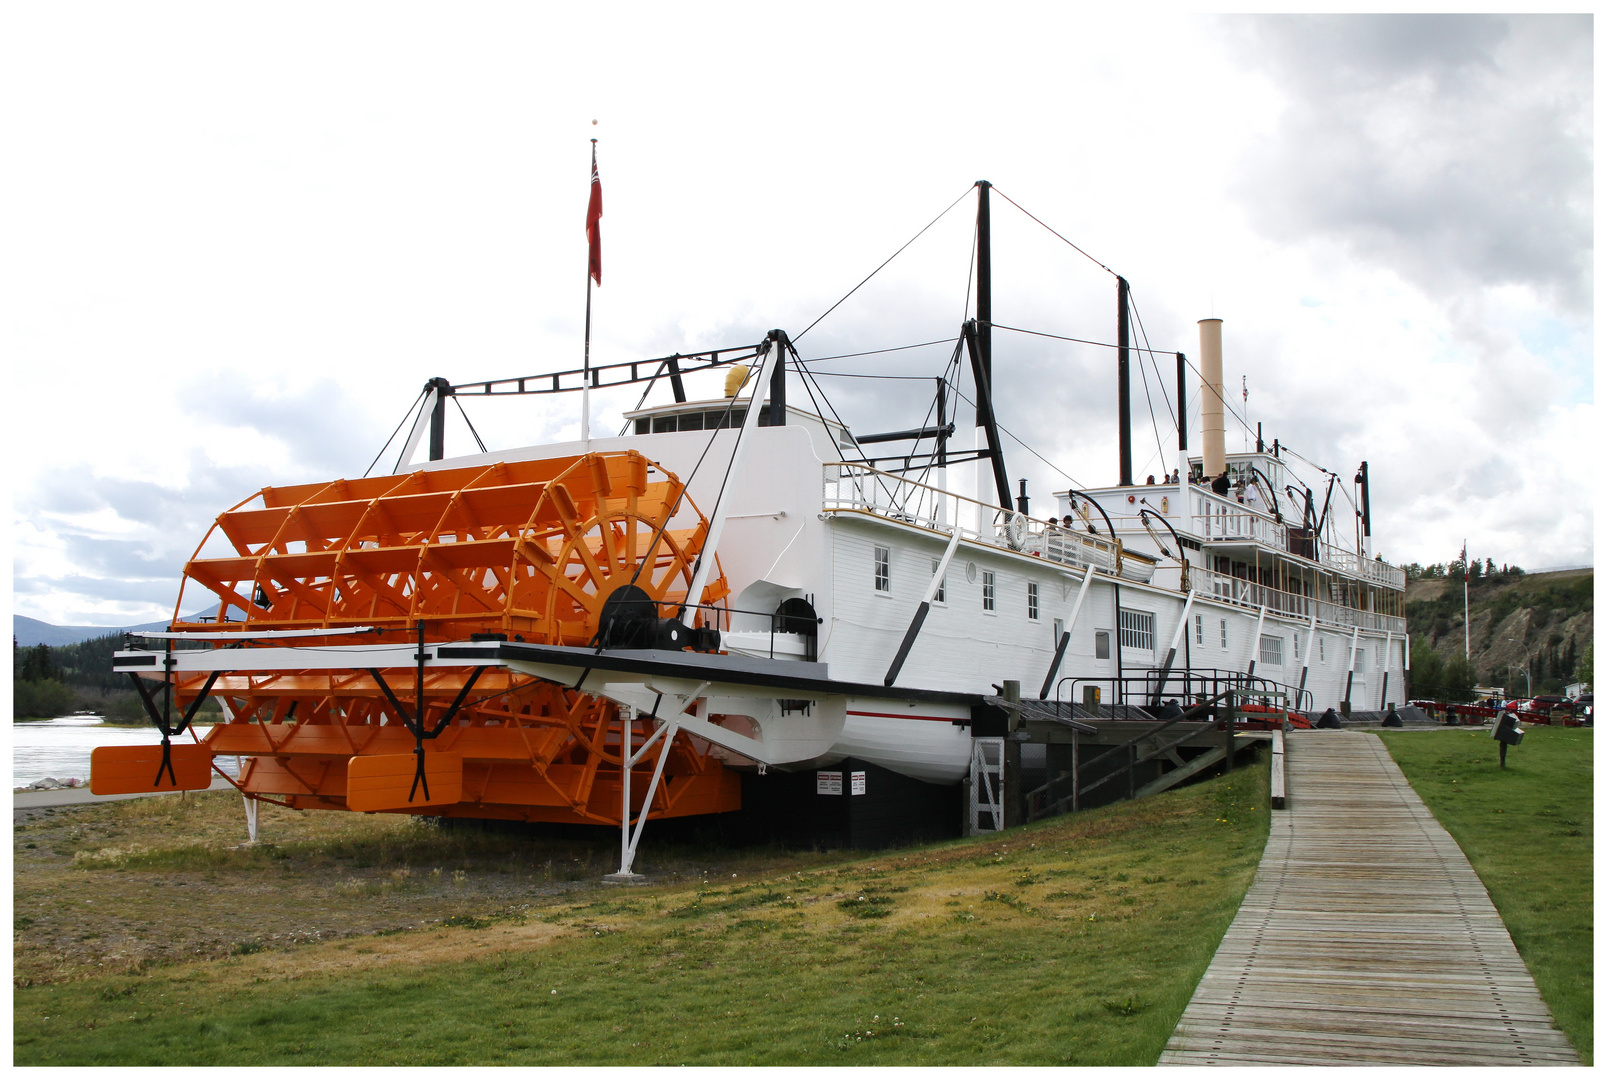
(742, 605)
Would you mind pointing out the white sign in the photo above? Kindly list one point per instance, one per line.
(829, 783)
(857, 783)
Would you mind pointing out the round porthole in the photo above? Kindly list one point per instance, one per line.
(970, 572)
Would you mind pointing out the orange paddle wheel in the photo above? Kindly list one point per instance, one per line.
(527, 551)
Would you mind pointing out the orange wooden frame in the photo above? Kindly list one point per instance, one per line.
(528, 549)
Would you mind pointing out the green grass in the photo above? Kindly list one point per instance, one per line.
(1073, 941)
(1529, 833)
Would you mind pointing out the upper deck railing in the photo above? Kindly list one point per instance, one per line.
(1238, 591)
(854, 487)
(1213, 517)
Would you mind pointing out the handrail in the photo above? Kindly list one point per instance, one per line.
(854, 486)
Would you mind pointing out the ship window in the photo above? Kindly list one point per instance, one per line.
(1138, 629)
(1322, 649)
(1378, 657)
(1297, 644)
(663, 423)
(987, 590)
(1032, 600)
(884, 577)
(1272, 650)
(1199, 629)
(942, 594)
(1060, 628)
(691, 421)
(1101, 644)
(644, 425)
(1224, 626)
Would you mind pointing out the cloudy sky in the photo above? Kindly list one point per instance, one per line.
(240, 238)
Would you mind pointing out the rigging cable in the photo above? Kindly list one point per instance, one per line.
(466, 420)
(1074, 481)
(392, 439)
(1073, 247)
(889, 259)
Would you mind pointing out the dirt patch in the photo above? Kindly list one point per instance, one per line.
(123, 887)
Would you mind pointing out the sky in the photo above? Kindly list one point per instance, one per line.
(240, 238)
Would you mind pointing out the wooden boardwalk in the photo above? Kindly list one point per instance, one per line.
(1366, 938)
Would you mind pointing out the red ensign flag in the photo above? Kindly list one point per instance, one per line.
(594, 214)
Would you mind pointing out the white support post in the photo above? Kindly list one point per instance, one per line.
(420, 426)
(1255, 640)
(711, 543)
(629, 839)
(251, 805)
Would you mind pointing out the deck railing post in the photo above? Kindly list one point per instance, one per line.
(1227, 732)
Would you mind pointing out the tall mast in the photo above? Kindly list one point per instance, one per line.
(979, 341)
(1124, 419)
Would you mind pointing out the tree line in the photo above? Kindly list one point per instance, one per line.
(47, 682)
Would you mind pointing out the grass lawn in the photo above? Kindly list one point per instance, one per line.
(1529, 832)
(1074, 941)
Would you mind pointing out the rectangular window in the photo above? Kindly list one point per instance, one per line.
(1032, 600)
(1138, 629)
(1272, 650)
(1060, 628)
(987, 590)
(1199, 629)
(884, 580)
(941, 596)
(1101, 644)
(1378, 657)
(1297, 644)
(1322, 649)
(1224, 626)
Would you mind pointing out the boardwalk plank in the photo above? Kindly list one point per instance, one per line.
(1366, 938)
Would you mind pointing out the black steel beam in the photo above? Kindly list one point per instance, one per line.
(984, 411)
(1124, 418)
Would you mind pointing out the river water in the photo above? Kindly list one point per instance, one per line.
(60, 747)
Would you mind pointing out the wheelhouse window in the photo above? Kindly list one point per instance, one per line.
(987, 590)
(884, 578)
(1032, 600)
(1272, 650)
(1138, 629)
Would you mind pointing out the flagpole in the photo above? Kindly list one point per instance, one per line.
(585, 386)
(594, 211)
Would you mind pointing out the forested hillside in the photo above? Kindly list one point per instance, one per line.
(1539, 624)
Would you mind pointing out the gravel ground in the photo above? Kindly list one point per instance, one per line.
(122, 887)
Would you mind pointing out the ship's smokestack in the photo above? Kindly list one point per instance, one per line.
(1213, 433)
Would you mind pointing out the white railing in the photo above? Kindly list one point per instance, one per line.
(859, 488)
(1238, 591)
(1212, 517)
(1376, 571)
(1215, 518)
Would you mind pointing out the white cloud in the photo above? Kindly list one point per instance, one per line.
(245, 242)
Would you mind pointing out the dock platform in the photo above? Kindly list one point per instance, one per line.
(1366, 938)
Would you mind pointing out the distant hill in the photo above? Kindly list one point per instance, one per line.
(1542, 619)
(29, 632)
